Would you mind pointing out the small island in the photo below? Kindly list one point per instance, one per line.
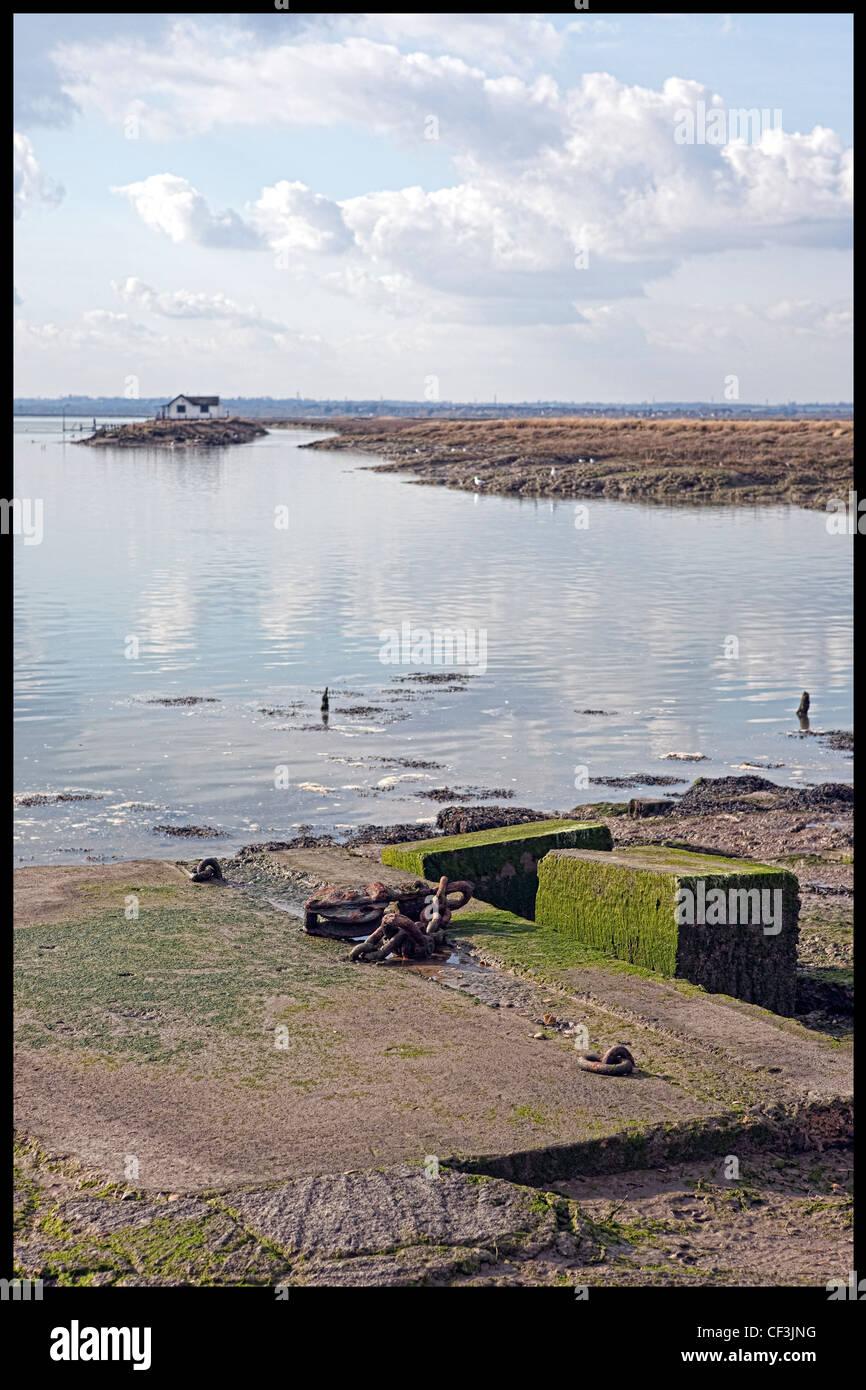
(170, 434)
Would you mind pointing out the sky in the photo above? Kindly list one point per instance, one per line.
(443, 207)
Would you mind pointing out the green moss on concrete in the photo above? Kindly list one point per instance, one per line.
(501, 863)
(27, 1199)
(184, 988)
(177, 1252)
(528, 831)
(504, 938)
(637, 926)
(625, 905)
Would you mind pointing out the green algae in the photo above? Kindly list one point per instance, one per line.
(518, 944)
(186, 984)
(180, 1252)
(529, 830)
(625, 905)
(500, 863)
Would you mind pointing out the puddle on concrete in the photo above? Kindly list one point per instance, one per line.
(448, 971)
(436, 968)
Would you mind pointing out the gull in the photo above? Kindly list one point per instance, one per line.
(479, 482)
(592, 460)
(581, 460)
(553, 472)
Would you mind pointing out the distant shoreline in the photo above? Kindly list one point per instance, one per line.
(77, 415)
(304, 409)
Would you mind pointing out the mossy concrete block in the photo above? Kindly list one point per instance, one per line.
(729, 925)
(502, 864)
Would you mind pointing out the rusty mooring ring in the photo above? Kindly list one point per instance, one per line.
(206, 871)
(617, 1061)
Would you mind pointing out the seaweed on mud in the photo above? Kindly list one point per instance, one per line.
(55, 798)
(466, 793)
(171, 700)
(639, 779)
(190, 832)
(437, 677)
(460, 820)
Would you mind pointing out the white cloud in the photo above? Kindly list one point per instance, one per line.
(544, 173)
(170, 204)
(805, 316)
(701, 331)
(126, 340)
(197, 80)
(105, 321)
(397, 294)
(29, 184)
(513, 43)
(187, 304)
(791, 179)
(97, 328)
(570, 214)
(295, 219)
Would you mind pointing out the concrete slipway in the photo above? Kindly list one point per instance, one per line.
(152, 1037)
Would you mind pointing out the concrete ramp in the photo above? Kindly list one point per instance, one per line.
(195, 1029)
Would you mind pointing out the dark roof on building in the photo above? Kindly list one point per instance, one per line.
(196, 400)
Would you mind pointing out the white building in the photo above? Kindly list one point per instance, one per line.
(193, 408)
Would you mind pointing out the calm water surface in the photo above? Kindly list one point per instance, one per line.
(178, 552)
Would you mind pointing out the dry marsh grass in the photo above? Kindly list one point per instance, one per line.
(803, 462)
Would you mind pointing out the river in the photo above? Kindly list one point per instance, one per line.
(253, 576)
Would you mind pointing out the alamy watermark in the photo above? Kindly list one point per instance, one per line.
(852, 1287)
(721, 125)
(76, 1343)
(21, 1290)
(846, 518)
(23, 516)
(732, 907)
(438, 646)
